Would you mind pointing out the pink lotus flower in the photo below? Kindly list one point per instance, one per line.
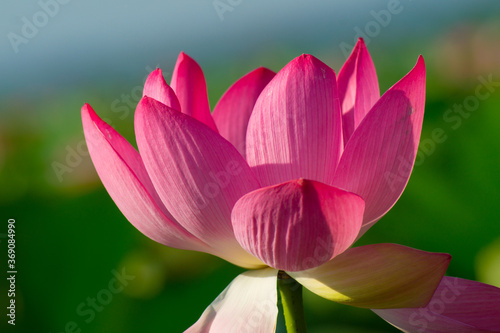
(285, 175)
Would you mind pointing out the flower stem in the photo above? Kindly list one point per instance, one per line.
(291, 298)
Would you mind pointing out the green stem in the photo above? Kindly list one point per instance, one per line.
(291, 298)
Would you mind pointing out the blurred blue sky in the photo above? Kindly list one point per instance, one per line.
(84, 40)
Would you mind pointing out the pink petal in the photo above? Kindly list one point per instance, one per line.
(295, 128)
(248, 304)
(233, 110)
(156, 87)
(123, 174)
(189, 85)
(297, 225)
(358, 88)
(377, 276)
(379, 156)
(458, 305)
(197, 174)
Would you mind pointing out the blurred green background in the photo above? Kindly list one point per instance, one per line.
(71, 238)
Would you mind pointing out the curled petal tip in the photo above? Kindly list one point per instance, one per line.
(156, 87)
(264, 70)
(145, 106)
(145, 100)
(86, 108)
(183, 55)
(155, 74)
(420, 65)
(88, 112)
(308, 58)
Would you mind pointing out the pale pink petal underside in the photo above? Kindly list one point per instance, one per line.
(190, 87)
(297, 225)
(232, 112)
(295, 129)
(458, 306)
(358, 88)
(197, 173)
(156, 87)
(123, 174)
(377, 276)
(248, 304)
(379, 156)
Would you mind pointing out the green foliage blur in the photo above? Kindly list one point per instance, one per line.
(72, 240)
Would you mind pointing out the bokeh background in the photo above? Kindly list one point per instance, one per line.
(71, 238)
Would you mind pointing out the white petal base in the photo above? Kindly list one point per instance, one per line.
(248, 304)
